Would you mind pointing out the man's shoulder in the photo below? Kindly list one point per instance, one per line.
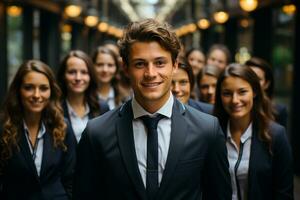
(106, 119)
(200, 115)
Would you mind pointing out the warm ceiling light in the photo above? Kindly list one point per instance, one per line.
(245, 23)
(192, 27)
(203, 24)
(67, 28)
(103, 27)
(248, 5)
(289, 9)
(73, 10)
(221, 17)
(91, 20)
(14, 11)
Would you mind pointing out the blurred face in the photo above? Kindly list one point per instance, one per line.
(208, 89)
(35, 92)
(150, 70)
(105, 67)
(217, 58)
(237, 98)
(77, 76)
(197, 60)
(181, 87)
(261, 75)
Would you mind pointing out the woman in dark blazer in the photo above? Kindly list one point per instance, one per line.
(259, 154)
(76, 78)
(182, 85)
(37, 151)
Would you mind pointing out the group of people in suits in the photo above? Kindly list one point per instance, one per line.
(241, 153)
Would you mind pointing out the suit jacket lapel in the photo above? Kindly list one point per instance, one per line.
(178, 135)
(255, 153)
(25, 150)
(47, 151)
(127, 148)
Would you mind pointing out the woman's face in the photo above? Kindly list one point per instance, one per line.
(77, 76)
(35, 92)
(218, 58)
(196, 59)
(181, 87)
(105, 68)
(237, 98)
(208, 89)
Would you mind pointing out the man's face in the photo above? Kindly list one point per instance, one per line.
(150, 70)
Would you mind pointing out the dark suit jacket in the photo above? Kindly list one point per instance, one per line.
(21, 182)
(196, 165)
(270, 176)
(201, 106)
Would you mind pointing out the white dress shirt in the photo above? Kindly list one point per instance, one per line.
(243, 156)
(36, 149)
(140, 136)
(78, 123)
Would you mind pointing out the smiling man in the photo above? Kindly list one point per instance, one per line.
(153, 146)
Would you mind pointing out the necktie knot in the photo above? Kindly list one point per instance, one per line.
(151, 122)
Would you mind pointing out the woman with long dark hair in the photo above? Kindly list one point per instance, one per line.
(259, 154)
(77, 80)
(36, 150)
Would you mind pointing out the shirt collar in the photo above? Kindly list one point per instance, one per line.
(41, 132)
(165, 110)
(73, 113)
(245, 136)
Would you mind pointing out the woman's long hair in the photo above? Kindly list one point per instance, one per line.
(13, 112)
(90, 94)
(261, 113)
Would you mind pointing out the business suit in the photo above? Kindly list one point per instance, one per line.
(21, 181)
(201, 106)
(196, 163)
(270, 176)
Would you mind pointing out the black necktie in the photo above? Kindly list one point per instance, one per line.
(152, 154)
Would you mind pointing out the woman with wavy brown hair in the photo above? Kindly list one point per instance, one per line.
(259, 154)
(76, 78)
(37, 150)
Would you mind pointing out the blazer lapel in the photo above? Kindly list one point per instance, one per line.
(178, 135)
(47, 151)
(127, 148)
(25, 149)
(255, 153)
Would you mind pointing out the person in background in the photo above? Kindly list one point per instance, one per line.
(182, 84)
(207, 81)
(123, 81)
(37, 149)
(259, 154)
(153, 146)
(218, 55)
(106, 66)
(265, 74)
(196, 59)
(76, 77)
